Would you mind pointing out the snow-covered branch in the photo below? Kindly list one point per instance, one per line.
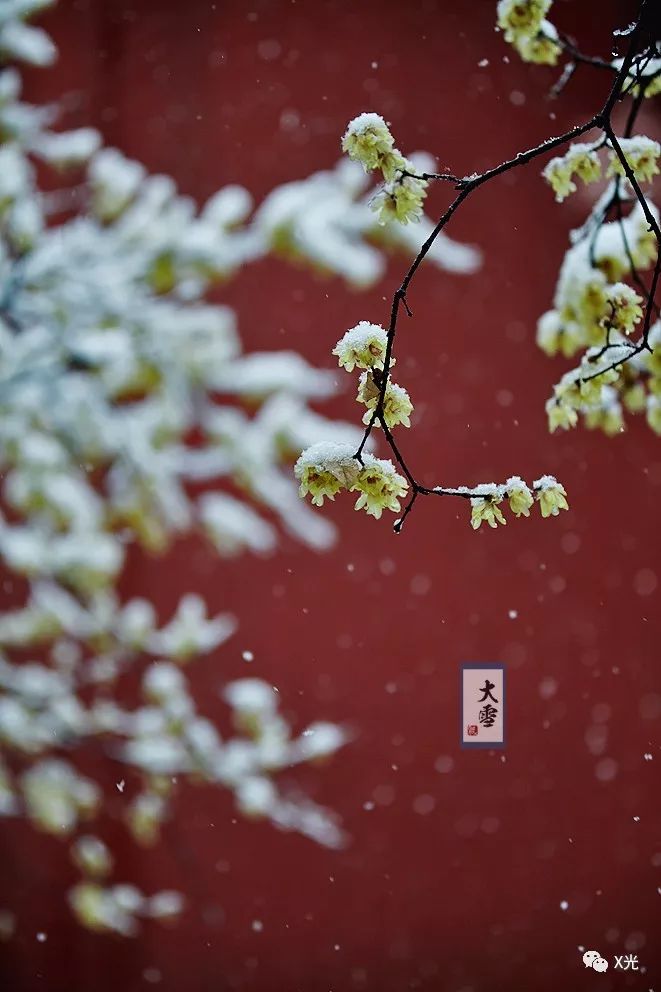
(130, 416)
(594, 308)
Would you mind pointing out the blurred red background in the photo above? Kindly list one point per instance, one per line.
(458, 861)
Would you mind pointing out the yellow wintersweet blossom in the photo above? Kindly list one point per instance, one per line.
(555, 336)
(626, 307)
(144, 816)
(642, 155)
(645, 247)
(560, 415)
(92, 856)
(364, 346)
(521, 19)
(567, 391)
(642, 77)
(57, 797)
(551, 495)
(579, 160)
(368, 140)
(585, 162)
(380, 487)
(519, 496)
(635, 398)
(558, 175)
(653, 361)
(319, 483)
(541, 49)
(89, 905)
(400, 200)
(607, 417)
(327, 467)
(397, 406)
(324, 469)
(485, 509)
(590, 388)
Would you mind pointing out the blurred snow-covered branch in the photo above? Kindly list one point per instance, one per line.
(129, 415)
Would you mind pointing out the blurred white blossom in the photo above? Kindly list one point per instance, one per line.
(129, 415)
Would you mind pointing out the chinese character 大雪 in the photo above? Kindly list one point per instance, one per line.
(486, 689)
(488, 715)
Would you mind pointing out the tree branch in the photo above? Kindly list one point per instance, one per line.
(467, 185)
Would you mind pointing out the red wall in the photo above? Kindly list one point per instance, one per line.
(466, 896)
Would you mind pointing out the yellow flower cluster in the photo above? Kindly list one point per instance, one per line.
(364, 346)
(397, 406)
(560, 414)
(485, 509)
(606, 415)
(614, 246)
(603, 316)
(642, 155)
(579, 160)
(595, 310)
(547, 491)
(650, 82)
(400, 200)
(542, 49)
(534, 38)
(368, 140)
(380, 487)
(587, 390)
(593, 307)
(57, 797)
(625, 305)
(551, 496)
(326, 468)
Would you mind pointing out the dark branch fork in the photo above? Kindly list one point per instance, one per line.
(468, 184)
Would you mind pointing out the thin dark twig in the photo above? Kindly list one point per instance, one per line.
(569, 46)
(427, 176)
(635, 274)
(561, 82)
